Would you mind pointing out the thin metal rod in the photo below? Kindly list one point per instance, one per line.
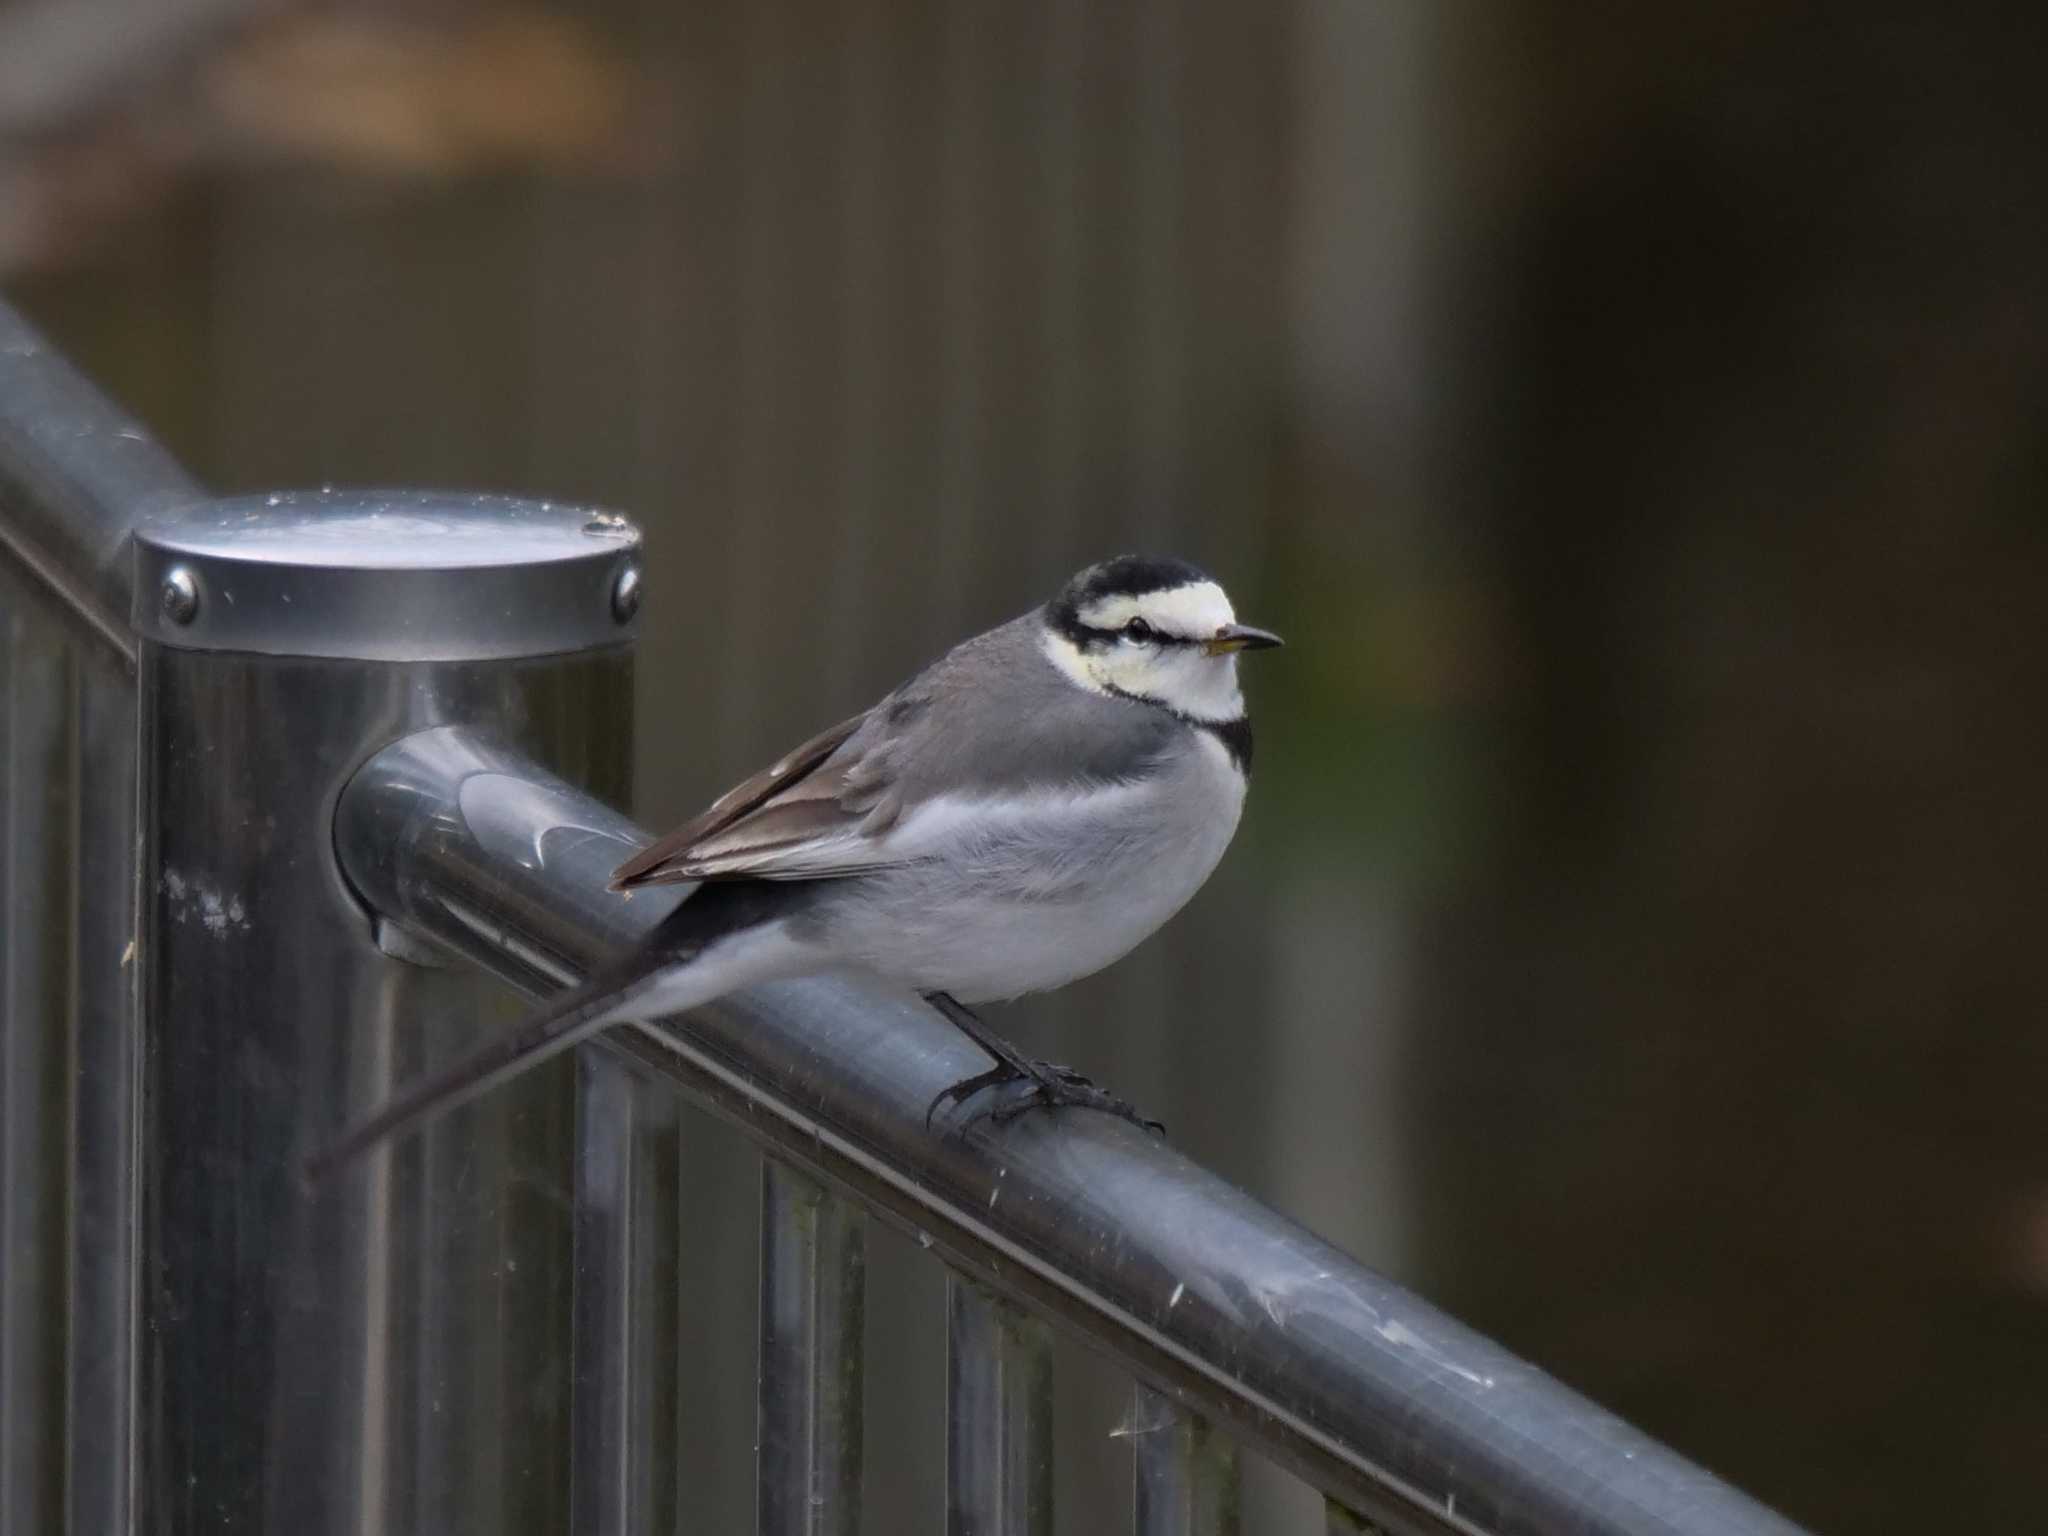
(813, 1288)
(998, 1416)
(1184, 1473)
(1360, 1387)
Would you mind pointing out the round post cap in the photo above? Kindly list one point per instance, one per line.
(388, 576)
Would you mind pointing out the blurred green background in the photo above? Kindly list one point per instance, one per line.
(1638, 421)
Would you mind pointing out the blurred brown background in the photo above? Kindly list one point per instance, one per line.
(1638, 423)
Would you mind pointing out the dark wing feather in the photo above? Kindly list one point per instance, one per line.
(786, 805)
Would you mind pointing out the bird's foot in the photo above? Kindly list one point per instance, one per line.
(1040, 1085)
(1057, 1087)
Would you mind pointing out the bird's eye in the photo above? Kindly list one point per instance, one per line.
(1138, 629)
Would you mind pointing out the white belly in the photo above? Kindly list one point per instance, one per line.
(1023, 902)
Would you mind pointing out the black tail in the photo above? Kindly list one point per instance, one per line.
(711, 913)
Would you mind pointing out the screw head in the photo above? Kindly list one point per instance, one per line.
(180, 595)
(626, 594)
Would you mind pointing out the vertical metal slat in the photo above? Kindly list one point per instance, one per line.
(104, 1080)
(998, 1417)
(600, 1476)
(1184, 1473)
(35, 942)
(625, 1346)
(813, 1274)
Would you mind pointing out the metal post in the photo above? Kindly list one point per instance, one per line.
(813, 1282)
(998, 1416)
(393, 1354)
(1184, 1474)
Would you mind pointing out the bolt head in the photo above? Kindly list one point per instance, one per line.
(626, 594)
(180, 595)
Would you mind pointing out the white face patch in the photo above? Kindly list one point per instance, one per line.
(1184, 678)
(1193, 612)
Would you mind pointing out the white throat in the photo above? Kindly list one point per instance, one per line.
(1183, 679)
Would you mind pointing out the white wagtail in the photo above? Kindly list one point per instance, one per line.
(1022, 812)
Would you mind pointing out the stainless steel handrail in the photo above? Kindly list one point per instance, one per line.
(77, 476)
(1393, 1409)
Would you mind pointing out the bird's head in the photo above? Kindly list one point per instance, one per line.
(1159, 630)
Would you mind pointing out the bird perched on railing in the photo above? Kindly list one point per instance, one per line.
(1019, 814)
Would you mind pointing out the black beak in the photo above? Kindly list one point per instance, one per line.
(1240, 637)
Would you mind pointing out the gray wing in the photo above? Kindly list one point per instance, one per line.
(990, 718)
(795, 819)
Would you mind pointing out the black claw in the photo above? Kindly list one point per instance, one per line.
(1045, 1085)
(967, 1088)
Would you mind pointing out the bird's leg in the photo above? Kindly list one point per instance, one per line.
(1051, 1085)
(1010, 1064)
(1009, 1060)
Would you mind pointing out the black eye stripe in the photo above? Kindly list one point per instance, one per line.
(1148, 635)
(1092, 637)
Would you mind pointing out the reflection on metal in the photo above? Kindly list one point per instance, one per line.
(179, 595)
(1184, 1473)
(998, 1416)
(626, 593)
(813, 1287)
(1278, 1338)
